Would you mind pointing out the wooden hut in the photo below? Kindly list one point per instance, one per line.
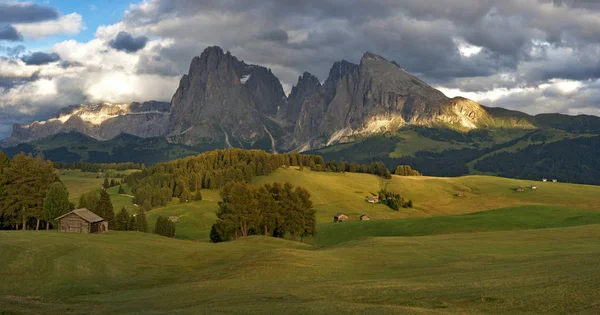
(340, 217)
(174, 218)
(82, 221)
(364, 217)
(520, 189)
(373, 199)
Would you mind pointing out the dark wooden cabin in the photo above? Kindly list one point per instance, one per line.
(82, 221)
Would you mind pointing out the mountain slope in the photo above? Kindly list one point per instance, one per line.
(100, 121)
(222, 98)
(373, 110)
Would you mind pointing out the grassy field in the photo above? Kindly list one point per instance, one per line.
(79, 183)
(533, 271)
(515, 218)
(529, 252)
(337, 192)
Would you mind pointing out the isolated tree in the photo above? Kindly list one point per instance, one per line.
(106, 184)
(105, 208)
(121, 190)
(215, 235)
(56, 202)
(121, 220)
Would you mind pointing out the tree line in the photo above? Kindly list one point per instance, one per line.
(271, 210)
(98, 167)
(375, 168)
(184, 178)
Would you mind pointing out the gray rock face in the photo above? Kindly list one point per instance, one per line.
(101, 121)
(225, 100)
(375, 96)
(229, 103)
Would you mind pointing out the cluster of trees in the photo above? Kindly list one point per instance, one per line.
(406, 170)
(125, 222)
(111, 183)
(271, 210)
(375, 168)
(98, 167)
(101, 206)
(31, 193)
(184, 178)
(394, 200)
(164, 227)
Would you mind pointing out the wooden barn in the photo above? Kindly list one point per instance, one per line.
(364, 217)
(340, 217)
(520, 189)
(82, 221)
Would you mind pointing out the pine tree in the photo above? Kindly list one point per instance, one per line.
(105, 208)
(131, 223)
(141, 223)
(164, 227)
(198, 195)
(214, 235)
(106, 184)
(56, 202)
(121, 190)
(121, 220)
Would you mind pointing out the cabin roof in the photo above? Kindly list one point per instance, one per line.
(85, 214)
(339, 214)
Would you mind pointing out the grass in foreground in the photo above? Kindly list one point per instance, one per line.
(535, 271)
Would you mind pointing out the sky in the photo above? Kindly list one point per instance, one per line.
(536, 56)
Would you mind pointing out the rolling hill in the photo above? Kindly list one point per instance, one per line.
(345, 192)
(532, 271)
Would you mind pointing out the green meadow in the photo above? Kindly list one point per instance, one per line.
(494, 250)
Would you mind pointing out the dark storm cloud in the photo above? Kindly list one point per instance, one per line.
(13, 52)
(275, 35)
(40, 58)
(9, 82)
(128, 43)
(26, 13)
(9, 33)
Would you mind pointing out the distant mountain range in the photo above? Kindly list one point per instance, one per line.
(224, 102)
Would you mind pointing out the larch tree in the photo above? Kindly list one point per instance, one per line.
(56, 202)
(28, 179)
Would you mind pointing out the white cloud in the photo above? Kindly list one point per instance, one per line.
(67, 24)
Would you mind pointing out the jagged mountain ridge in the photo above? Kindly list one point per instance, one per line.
(102, 121)
(224, 101)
